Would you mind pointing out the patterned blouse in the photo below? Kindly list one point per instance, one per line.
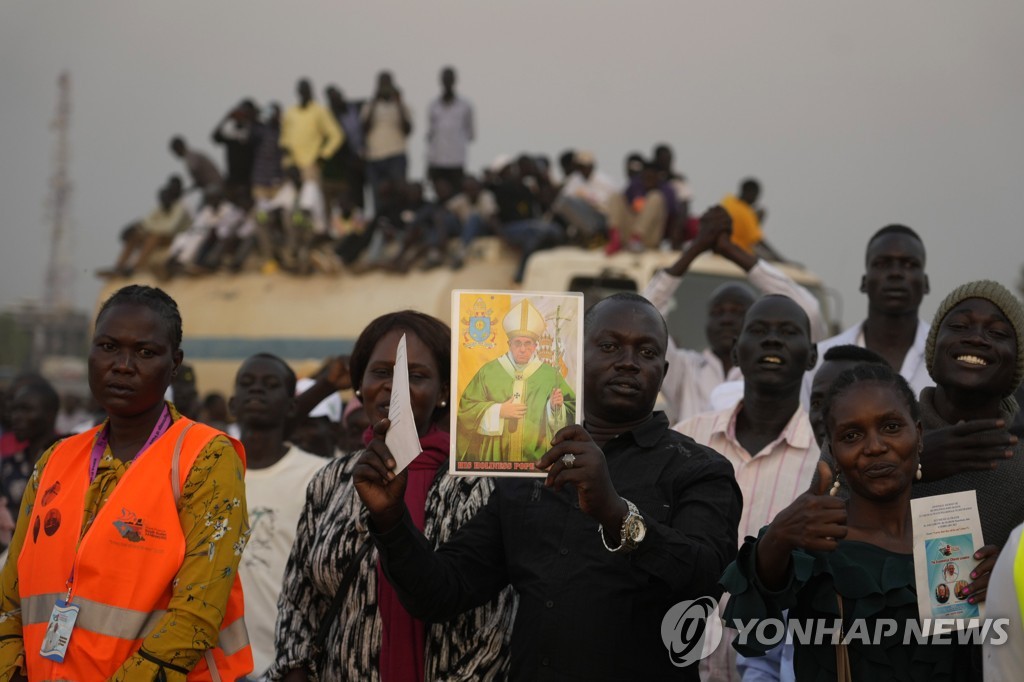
(332, 529)
(215, 523)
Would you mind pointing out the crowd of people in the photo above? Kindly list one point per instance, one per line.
(326, 187)
(266, 535)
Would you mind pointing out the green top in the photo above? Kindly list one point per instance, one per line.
(875, 584)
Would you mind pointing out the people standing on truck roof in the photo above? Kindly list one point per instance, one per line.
(234, 131)
(583, 201)
(767, 436)
(267, 164)
(344, 173)
(204, 174)
(894, 282)
(451, 128)
(387, 124)
(693, 375)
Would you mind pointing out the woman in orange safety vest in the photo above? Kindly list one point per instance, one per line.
(124, 562)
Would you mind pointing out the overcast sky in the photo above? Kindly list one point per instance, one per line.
(853, 115)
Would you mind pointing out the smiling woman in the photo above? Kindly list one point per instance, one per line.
(367, 632)
(823, 558)
(143, 514)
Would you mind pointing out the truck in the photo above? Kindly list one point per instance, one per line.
(228, 317)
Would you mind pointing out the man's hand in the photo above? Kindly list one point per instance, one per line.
(977, 591)
(588, 474)
(512, 410)
(976, 445)
(379, 488)
(715, 222)
(557, 399)
(338, 373)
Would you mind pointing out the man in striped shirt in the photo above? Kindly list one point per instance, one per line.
(767, 437)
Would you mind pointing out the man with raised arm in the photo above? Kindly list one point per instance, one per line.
(693, 375)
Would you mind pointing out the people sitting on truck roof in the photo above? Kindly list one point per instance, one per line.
(638, 216)
(189, 250)
(428, 227)
(142, 238)
(476, 210)
(682, 228)
(747, 218)
(583, 201)
(693, 375)
(520, 213)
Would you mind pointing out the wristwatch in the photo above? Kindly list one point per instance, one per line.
(632, 532)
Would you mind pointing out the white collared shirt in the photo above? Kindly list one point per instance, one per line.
(914, 369)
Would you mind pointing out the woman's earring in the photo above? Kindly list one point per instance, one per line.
(835, 487)
(444, 403)
(359, 394)
(918, 475)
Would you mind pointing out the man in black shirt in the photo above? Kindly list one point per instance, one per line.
(595, 573)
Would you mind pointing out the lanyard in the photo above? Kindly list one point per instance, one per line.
(159, 429)
(162, 424)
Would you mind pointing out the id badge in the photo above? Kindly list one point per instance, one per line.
(58, 631)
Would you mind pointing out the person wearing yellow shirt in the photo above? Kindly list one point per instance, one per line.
(309, 133)
(746, 220)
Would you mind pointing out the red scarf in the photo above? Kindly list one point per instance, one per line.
(403, 638)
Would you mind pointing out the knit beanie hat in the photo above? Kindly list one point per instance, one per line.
(1001, 298)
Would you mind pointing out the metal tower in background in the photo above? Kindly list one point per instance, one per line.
(59, 270)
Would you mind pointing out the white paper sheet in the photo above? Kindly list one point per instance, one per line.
(402, 439)
(947, 533)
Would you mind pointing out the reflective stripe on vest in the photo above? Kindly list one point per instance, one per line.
(124, 566)
(114, 621)
(1018, 576)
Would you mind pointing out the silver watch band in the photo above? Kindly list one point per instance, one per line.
(631, 510)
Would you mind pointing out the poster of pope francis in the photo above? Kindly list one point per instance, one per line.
(516, 377)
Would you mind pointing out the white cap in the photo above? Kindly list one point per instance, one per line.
(329, 407)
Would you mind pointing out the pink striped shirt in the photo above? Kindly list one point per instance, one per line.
(769, 480)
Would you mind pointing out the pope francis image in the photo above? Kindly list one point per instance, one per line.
(516, 403)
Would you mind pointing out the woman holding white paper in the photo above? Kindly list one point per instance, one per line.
(825, 558)
(333, 586)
